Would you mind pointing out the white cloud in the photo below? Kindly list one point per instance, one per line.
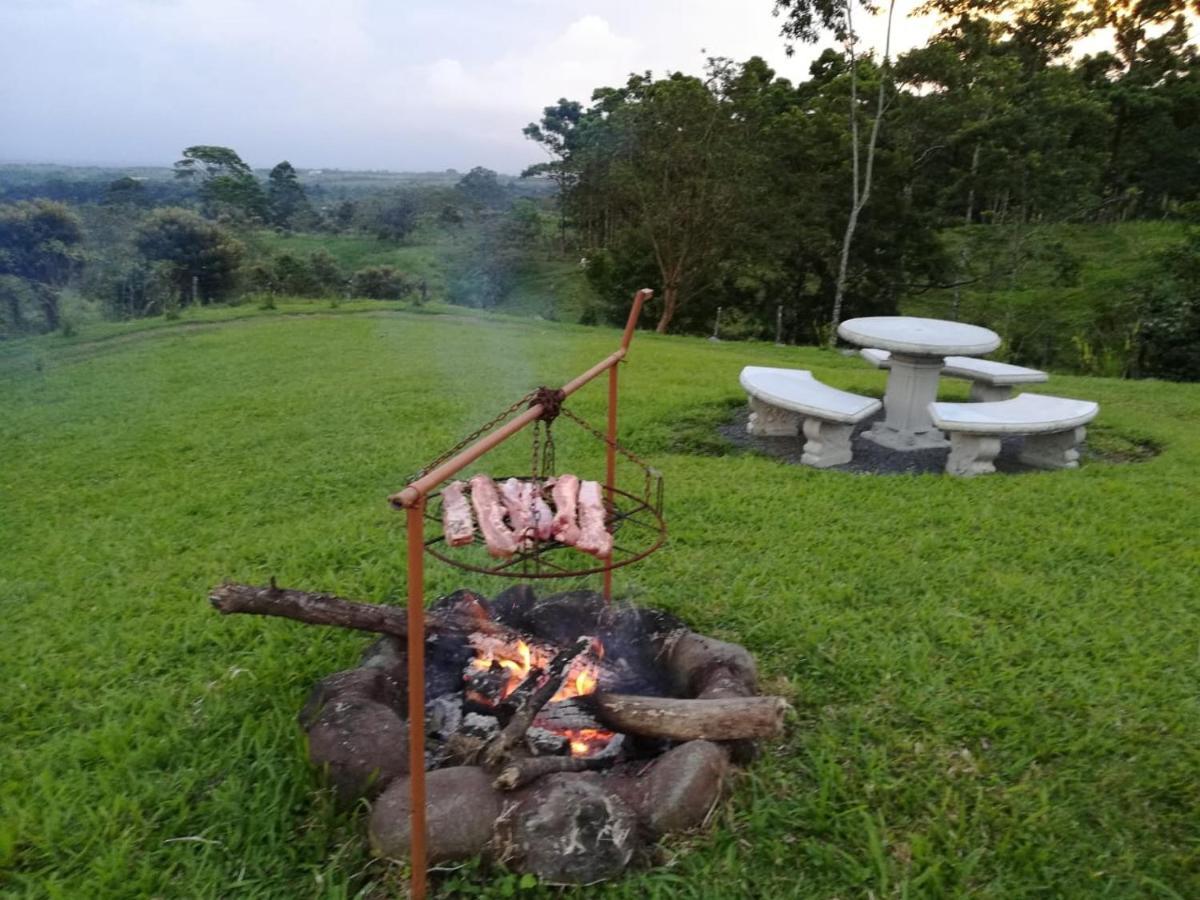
(351, 83)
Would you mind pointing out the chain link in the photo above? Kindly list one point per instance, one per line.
(542, 458)
(474, 436)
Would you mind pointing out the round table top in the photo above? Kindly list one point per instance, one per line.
(919, 337)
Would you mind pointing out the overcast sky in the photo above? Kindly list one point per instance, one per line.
(385, 84)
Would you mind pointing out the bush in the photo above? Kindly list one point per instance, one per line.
(380, 283)
(1169, 336)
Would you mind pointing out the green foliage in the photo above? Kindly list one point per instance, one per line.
(287, 203)
(391, 216)
(380, 283)
(193, 249)
(979, 667)
(227, 184)
(1169, 337)
(326, 273)
(40, 246)
(481, 189)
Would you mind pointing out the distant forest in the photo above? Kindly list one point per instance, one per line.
(979, 176)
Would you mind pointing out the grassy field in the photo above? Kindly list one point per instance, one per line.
(995, 679)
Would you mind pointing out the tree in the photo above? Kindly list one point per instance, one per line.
(287, 203)
(326, 273)
(380, 283)
(40, 245)
(390, 216)
(1169, 334)
(481, 189)
(555, 133)
(803, 19)
(669, 156)
(192, 248)
(225, 180)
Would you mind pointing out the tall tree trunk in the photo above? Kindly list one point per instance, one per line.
(48, 297)
(971, 190)
(860, 198)
(14, 309)
(670, 302)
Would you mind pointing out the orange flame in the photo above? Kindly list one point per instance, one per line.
(520, 658)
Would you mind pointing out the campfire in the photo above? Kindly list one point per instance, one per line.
(563, 734)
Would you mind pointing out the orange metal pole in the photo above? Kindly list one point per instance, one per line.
(412, 498)
(416, 692)
(610, 469)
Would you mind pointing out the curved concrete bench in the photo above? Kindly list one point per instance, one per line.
(1054, 426)
(780, 399)
(990, 380)
(880, 359)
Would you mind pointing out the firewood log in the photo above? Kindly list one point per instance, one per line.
(521, 772)
(327, 609)
(690, 720)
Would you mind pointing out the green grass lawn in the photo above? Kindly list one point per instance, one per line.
(995, 680)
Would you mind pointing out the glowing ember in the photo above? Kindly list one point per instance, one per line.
(587, 741)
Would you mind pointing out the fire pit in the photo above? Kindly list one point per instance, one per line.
(559, 735)
(563, 734)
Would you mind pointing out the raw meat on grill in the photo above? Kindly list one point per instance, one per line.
(593, 536)
(489, 513)
(457, 523)
(565, 494)
(543, 518)
(515, 495)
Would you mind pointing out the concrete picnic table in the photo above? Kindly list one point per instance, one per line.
(919, 348)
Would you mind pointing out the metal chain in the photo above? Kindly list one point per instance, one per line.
(544, 446)
(474, 435)
(650, 472)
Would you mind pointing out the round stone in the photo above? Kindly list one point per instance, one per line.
(461, 808)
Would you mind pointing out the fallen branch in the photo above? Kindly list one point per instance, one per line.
(690, 720)
(522, 771)
(327, 609)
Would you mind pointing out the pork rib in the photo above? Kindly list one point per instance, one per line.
(489, 513)
(515, 495)
(539, 510)
(593, 535)
(457, 524)
(565, 494)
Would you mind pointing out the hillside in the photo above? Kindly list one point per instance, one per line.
(1061, 296)
(994, 679)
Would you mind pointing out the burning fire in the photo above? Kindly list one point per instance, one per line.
(517, 660)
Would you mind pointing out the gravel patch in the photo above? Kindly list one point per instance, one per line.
(869, 457)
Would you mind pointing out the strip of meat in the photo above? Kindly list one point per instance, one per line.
(489, 513)
(515, 496)
(539, 510)
(565, 494)
(457, 524)
(593, 535)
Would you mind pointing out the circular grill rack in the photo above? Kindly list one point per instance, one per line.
(636, 524)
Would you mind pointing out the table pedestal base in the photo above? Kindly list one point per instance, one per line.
(912, 385)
